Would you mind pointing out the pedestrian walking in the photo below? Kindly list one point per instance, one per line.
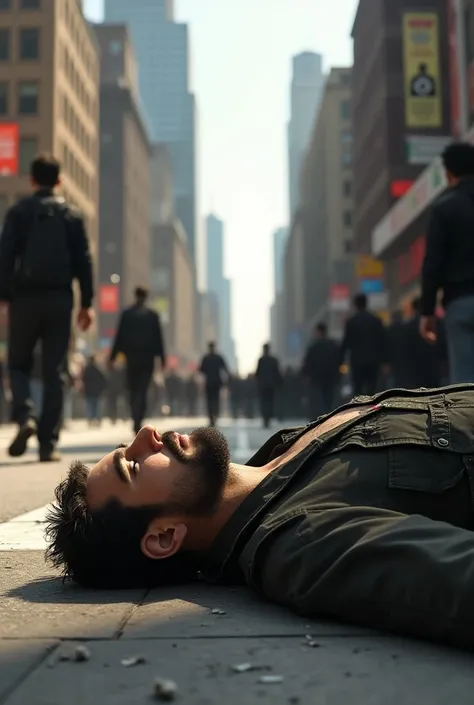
(94, 384)
(43, 248)
(140, 339)
(449, 263)
(426, 363)
(214, 369)
(269, 379)
(365, 343)
(114, 393)
(321, 370)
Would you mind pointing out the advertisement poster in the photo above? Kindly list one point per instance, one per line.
(421, 64)
(108, 298)
(8, 148)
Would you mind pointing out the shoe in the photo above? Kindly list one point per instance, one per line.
(20, 442)
(49, 455)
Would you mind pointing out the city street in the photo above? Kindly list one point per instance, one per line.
(176, 633)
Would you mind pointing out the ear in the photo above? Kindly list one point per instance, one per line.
(163, 542)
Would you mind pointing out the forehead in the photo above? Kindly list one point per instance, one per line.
(103, 481)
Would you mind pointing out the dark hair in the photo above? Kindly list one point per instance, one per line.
(211, 345)
(45, 170)
(416, 304)
(321, 328)
(101, 549)
(141, 294)
(360, 302)
(458, 159)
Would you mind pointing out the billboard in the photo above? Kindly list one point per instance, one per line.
(108, 298)
(9, 138)
(421, 69)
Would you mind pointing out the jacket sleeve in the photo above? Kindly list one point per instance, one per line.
(9, 251)
(119, 338)
(347, 340)
(83, 269)
(434, 263)
(405, 574)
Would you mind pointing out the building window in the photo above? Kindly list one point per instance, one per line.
(348, 247)
(28, 95)
(30, 4)
(347, 188)
(347, 219)
(3, 98)
(346, 137)
(27, 152)
(5, 4)
(115, 47)
(345, 110)
(4, 44)
(347, 158)
(29, 43)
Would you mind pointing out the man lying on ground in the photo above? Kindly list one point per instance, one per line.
(365, 515)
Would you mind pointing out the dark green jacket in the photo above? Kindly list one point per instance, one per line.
(371, 524)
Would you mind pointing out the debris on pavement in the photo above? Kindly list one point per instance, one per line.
(133, 661)
(269, 680)
(165, 689)
(218, 611)
(76, 654)
(246, 667)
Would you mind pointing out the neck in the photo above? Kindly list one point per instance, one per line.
(241, 482)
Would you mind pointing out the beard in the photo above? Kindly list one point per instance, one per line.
(198, 492)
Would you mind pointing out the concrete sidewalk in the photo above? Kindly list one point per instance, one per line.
(176, 634)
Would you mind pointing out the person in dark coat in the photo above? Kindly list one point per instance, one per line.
(215, 371)
(140, 339)
(321, 369)
(43, 249)
(365, 343)
(191, 395)
(269, 379)
(94, 385)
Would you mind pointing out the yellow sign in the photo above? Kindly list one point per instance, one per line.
(162, 306)
(385, 317)
(368, 268)
(422, 80)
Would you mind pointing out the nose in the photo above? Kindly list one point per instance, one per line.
(150, 435)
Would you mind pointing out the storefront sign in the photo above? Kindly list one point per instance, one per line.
(454, 65)
(411, 262)
(378, 302)
(367, 267)
(426, 188)
(108, 298)
(9, 148)
(423, 106)
(371, 286)
(422, 150)
(339, 297)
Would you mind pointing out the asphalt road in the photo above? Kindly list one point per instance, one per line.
(248, 652)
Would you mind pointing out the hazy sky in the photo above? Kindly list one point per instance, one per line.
(241, 70)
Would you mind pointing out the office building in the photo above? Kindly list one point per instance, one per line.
(401, 102)
(218, 285)
(172, 286)
(49, 101)
(125, 152)
(318, 267)
(277, 318)
(162, 50)
(306, 88)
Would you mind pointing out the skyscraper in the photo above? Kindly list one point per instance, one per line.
(218, 285)
(162, 50)
(306, 91)
(280, 238)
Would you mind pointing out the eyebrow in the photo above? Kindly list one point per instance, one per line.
(119, 466)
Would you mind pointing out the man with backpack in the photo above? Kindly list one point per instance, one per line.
(43, 249)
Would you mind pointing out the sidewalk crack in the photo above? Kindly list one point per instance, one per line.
(128, 614)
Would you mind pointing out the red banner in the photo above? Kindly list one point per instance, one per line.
(9, 135)
(108, 298)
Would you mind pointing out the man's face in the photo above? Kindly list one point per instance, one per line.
(186, 472)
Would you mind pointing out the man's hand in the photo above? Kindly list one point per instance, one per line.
(428, 328)
(85, 318)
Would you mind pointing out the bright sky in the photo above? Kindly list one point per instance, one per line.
(241, 71)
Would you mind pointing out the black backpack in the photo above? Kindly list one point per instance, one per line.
(46, 260)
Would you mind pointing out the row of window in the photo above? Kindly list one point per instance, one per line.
(76, 127)
(74, 22)
(28, 44)
(27, 98)
(22, 4)
(79, 175)
(76, 82)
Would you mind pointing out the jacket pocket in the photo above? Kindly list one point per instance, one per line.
(424, 470)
